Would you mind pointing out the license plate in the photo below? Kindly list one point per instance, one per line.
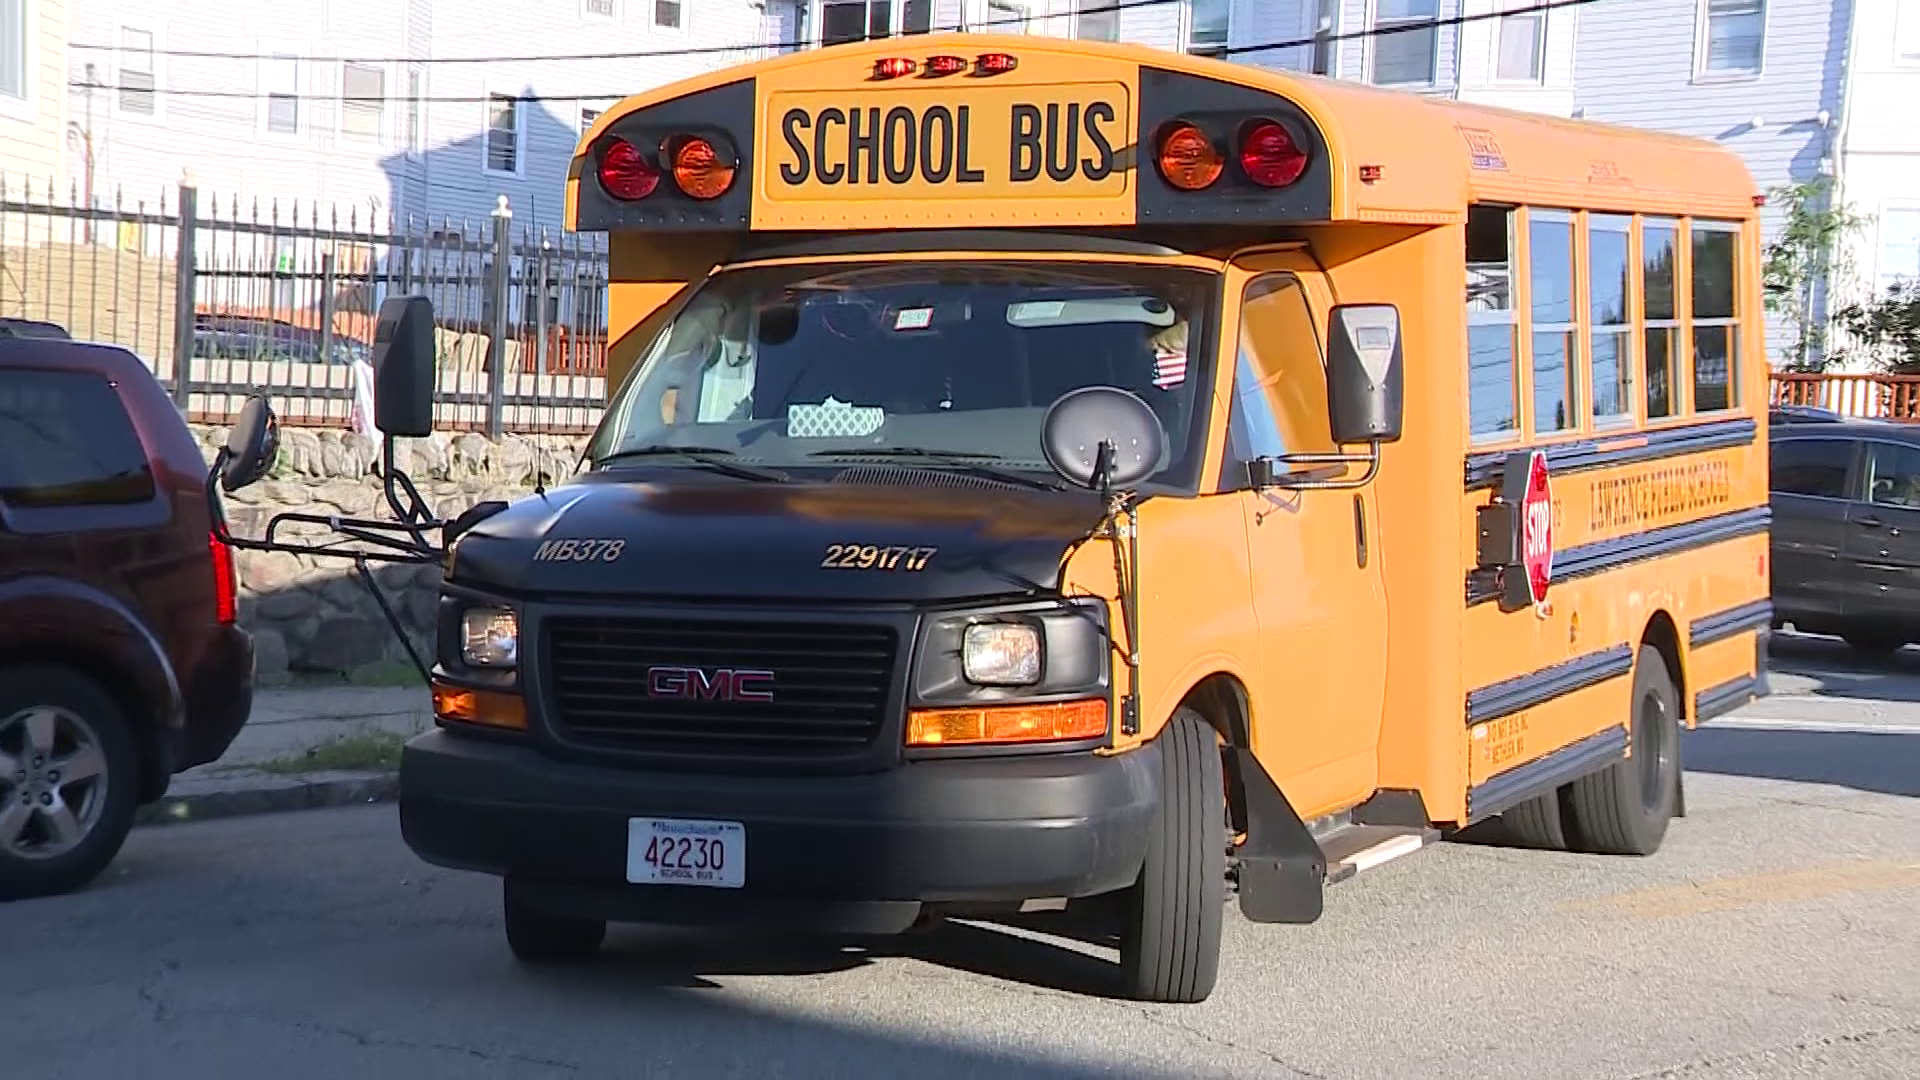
(670, 851)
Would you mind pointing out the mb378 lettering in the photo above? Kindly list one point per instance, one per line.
(717, 684)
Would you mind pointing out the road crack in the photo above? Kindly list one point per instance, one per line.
(1699, 1065)
(390, 1042)
(1168, 1022)
(152, 991)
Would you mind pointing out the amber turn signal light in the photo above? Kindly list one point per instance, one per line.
(701, 169)
(1061, 721)
(1188, 159)
(486, 708)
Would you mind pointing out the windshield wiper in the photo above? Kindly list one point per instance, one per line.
(711, 457)
(970, 461)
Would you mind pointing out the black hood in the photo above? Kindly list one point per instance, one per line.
(725, 539)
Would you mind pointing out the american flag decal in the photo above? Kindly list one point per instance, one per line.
(1169, 368)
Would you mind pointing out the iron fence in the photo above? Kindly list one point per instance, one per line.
(224, 298)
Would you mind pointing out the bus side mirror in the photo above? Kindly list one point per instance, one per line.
(253, 442)
(403, 367)
(1364, 377)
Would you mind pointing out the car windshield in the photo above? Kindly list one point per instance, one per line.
(799, 365)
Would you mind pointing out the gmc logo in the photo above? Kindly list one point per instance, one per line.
(718, 684)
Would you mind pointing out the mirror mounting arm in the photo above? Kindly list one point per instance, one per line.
(1262, 475)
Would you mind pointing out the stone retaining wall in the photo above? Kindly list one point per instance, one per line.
(310, 613)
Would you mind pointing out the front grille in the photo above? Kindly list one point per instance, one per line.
(829, 684)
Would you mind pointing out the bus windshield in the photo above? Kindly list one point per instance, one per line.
(796, 365)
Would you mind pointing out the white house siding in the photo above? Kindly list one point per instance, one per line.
(1481, 80)
(1636, 60)
(1880, 159)
(33, 122)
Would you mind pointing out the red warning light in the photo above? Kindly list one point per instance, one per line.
(625, 172)
(995, 63)
(1269, 156)
(893, 67)
(946, 65)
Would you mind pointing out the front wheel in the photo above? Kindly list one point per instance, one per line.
(1170, 944)
(543, 937)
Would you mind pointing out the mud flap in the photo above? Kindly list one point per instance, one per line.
(1283, 872)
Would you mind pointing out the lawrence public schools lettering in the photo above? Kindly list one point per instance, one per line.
(863, 146)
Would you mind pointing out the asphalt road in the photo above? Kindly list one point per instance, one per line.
(1776, 935)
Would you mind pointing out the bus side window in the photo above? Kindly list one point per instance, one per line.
(1280, 381)
(1493, 406)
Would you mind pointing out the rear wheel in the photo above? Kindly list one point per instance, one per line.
(1170, 943)
(69, 781)
(1624, 809)
(543, 937)
(1538, 822)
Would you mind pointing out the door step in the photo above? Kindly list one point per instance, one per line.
(1363, 847)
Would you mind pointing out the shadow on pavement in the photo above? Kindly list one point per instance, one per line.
(1838, 670)
(1888, 764)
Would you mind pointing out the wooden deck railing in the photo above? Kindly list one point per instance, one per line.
(1880, 397)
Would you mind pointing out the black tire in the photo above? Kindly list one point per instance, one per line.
(543, 937)
(1624, 809)
(106, 826)
(1170, 940)
(1539, 823)
(1875, 642)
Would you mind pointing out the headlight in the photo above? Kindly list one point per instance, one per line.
(489, 638)
(1001, 654)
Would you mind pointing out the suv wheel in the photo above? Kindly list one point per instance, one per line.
(69, 781)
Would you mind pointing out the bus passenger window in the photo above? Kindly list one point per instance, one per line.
(1658, 243)
(1556, 386)
(1716, 352)
(1493, 407)
(1609, 281)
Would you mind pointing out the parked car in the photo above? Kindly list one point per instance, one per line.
(1802, 414)
(1846, 530)
(121, 661)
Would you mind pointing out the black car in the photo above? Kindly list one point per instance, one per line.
(1846, 529)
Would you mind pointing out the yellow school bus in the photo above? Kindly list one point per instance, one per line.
(1045, 474)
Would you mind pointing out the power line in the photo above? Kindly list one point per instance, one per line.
(478, 99)
(691, 50)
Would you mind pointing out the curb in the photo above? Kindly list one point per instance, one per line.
(267, 795)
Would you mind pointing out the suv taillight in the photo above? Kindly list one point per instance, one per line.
(226, 590)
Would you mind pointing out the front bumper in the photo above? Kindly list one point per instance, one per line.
(859, 851)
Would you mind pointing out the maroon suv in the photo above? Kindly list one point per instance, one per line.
(120, 659)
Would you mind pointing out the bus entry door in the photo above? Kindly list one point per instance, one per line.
(1318, 594)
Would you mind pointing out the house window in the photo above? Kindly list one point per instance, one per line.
(503, 134)
(1716, 330)
(1906, 33)
(1406, 40)
(1556, 380)
(1659, 242)
(602, 9)
(587, 117)
(1898, 251)
(1609, 283)
(136, 71)
(13, 48)
(415, 117)
(1096, 20)
(1523, 40)
(1208, 30)
(1006, 17)
(842, 21)
(1734, 35)
(363, 99)
(667, 14)
(282, 79)
(1493, 408)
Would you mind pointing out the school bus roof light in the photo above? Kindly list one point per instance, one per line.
(893, 67)
(995, 63)
(1187, 158)
(625, 172)
(946, 65)
(1268, 154)
(700, 168)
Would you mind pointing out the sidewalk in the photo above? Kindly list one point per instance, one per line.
(302, 748)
